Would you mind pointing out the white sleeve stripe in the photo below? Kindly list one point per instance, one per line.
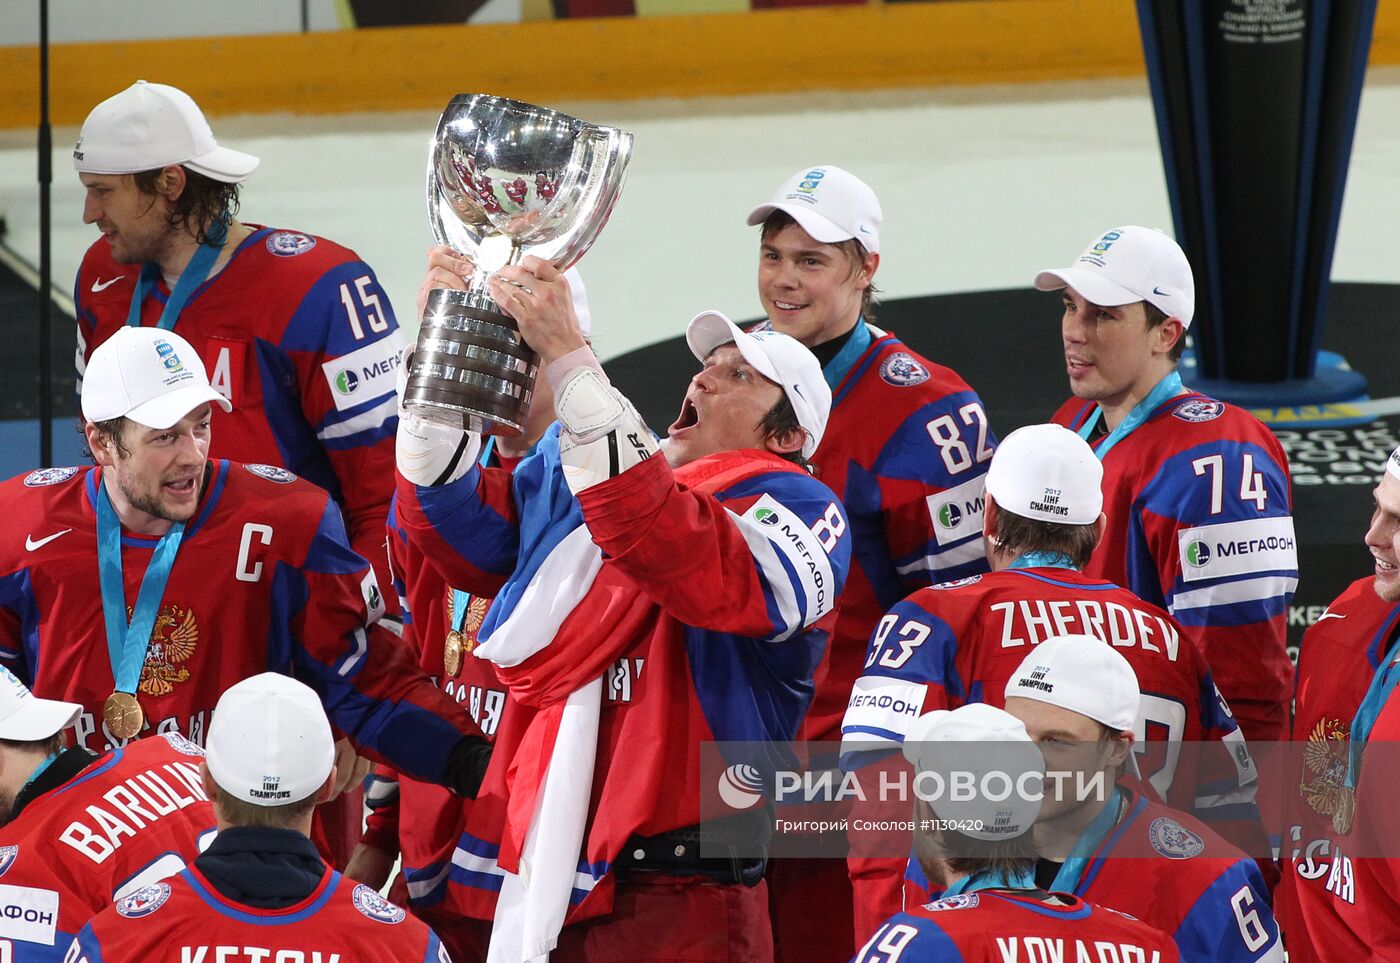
(365, 421)
(779, 582)
(476, 864)
(969, 551)
(810, 585)
(354, 658)
(1245, 590)
(419, 888)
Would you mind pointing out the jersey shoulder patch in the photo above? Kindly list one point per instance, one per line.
(49, 476)
(958, 582)
(143, 902)
(1199, 409)
(182, 745)
(1173, 840)
(8, 855)
(961, 901)
(902, 369)
(272, 473)
(371, 904)
(289, 243)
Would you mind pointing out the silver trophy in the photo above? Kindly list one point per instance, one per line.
(505, 179)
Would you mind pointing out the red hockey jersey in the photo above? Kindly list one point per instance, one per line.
(185, 920)
(298, 334)
(906, 450)
(997, 926)
(264, 581)
(958, 643)
(1339, 656)
(1199, 522)
(133, 817)
(706, 616)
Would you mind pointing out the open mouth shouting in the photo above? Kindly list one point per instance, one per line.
(686, 420)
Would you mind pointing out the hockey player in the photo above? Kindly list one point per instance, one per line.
(78, 830)
(260, 892)
(1337, 889)
(992, 910)
(1196, 491)
(145, 586)
(296, 330)
(418, 821)
(958, 643)
(906, 451)
(643, 604)
(1077, 697)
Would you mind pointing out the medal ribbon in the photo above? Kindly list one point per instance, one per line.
(127, 643)
(1168, 387)
(194, 274)
(1382, 684)
(1043, 560)
(991, 879)
(1067, 879)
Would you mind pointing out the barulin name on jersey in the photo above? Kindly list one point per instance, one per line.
(135, 802)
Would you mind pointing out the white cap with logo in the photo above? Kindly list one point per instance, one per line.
(983, 741)
(150, 126)
(828, 203)
(1126, 265)
(269, 742)
(24, 717)
(148, 375)
(1048, 473)
(779, 358)
(1082, 674)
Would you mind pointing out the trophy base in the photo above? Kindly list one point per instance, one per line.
(471, 369)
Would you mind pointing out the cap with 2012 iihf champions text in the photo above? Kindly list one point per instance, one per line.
(149, 375)
(269, 741)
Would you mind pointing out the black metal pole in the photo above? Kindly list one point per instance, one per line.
(305, 16)
(45, 262)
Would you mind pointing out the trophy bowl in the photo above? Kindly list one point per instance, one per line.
(505, 179)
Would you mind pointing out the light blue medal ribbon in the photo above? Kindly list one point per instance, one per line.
(838, 367)
(992, 879)
(1168, 387)
(127, 643)
(1382, 684)
(1067, 879)
(1043, 560)
(194, 274)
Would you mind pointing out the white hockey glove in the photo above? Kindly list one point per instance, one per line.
(603, 435)
(428, 453)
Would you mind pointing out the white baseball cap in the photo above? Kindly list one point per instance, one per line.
(149, 375)
(981, 740)
(150, 126)
(269, 742)
(828, 203)
(1392, 465)
(1082, 674)
(24, 717)
(1129, 264)
(1048, 473)
(779, 358)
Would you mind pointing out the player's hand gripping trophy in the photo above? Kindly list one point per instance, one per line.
(505, 179)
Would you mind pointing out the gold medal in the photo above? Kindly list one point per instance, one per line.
(122, 714)
(452, 653)
(1345, 812)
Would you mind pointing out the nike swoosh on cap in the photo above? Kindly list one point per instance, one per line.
(1164, 294)
(101, 285)
(30, 544)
